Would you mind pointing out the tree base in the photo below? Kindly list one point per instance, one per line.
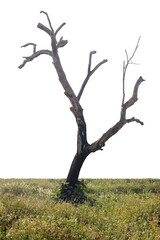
(72, 193)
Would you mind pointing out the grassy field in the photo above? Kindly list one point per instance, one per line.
(114, 210)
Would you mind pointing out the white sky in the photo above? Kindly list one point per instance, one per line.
(37, 129)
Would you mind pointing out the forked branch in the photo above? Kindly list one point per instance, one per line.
(34, 55)
(90, 72)
(48, 21)
(125, 66)
(97, 145)
(76, 107)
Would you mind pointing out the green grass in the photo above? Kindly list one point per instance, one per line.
(115, 210)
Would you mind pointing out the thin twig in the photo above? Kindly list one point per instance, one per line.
(134, 120)
(58, 29)
(125, 66)
(137, 46)
(48, 20)
(98, 65)
(124, 72)
(126, 54)
(33, 44)
(90, 61)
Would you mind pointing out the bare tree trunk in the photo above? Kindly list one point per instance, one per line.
(75, 168)
(81, 154)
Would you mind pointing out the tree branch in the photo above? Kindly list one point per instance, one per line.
(90, 60)
(77, 109)
(89, 73)
(48, 20)
(98, 65)
(61, 43)
(97, 145)
(58, 29)
(33, 44)
(134, 120)
(134, 98)
(125, 66)
(45, 29)
(33, 56)
(100, 143)
(55, 45)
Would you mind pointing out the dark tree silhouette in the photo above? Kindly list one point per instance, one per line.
(83, 147)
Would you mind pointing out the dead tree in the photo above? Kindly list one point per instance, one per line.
(83, 147)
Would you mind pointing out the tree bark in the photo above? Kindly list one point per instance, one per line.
(75, 168)
(81, 154)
